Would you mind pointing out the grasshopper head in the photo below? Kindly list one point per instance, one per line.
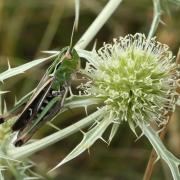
(70, 59)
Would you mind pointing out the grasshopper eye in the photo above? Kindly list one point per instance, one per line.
(68, 55)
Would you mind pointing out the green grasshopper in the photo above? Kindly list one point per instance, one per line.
(49, 96)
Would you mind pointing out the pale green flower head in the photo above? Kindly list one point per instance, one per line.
(137, 79)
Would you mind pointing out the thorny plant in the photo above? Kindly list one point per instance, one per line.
(132, 80)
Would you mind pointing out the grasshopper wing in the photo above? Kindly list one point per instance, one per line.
(31, 108)
(48, 113)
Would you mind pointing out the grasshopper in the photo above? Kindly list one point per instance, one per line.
(49, 96)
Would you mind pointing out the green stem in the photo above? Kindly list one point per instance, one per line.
(156, 19)
(97, 24)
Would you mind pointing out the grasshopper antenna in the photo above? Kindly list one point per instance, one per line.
(75, 24)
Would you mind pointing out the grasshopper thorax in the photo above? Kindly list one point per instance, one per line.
(67, 64)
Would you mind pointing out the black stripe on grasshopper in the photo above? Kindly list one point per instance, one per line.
(49, 96)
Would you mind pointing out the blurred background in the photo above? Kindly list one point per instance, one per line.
(29, 26)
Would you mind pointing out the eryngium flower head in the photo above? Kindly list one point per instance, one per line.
(137, 79)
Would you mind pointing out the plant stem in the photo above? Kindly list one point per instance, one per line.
(97, 24)
(156, 19)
